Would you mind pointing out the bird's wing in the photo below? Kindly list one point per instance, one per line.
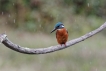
(56, 34)
(66, 30)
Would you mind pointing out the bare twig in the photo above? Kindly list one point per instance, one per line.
(25, 50)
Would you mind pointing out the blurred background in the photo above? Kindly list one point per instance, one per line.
(29, 23)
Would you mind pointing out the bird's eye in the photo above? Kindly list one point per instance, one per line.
(57, 27)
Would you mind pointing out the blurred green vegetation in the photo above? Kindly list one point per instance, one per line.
(89, 55)
(41, 15)
(20, 17)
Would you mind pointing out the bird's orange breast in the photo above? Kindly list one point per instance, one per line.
(62, 36)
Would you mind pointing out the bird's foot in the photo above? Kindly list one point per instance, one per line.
(63, 44)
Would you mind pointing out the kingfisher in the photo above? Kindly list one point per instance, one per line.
(61, 33)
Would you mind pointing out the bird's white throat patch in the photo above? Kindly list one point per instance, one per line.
(62, 26)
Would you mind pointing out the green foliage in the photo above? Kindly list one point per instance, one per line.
(41, 15)
(30, 26)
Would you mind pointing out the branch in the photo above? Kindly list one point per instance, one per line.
(25, 50)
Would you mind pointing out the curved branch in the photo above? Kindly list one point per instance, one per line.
(25, 50)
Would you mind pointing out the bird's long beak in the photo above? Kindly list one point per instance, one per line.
(53, 30)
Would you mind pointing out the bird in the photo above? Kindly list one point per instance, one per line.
(61, 33)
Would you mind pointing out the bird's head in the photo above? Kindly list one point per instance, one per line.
(59, 25)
